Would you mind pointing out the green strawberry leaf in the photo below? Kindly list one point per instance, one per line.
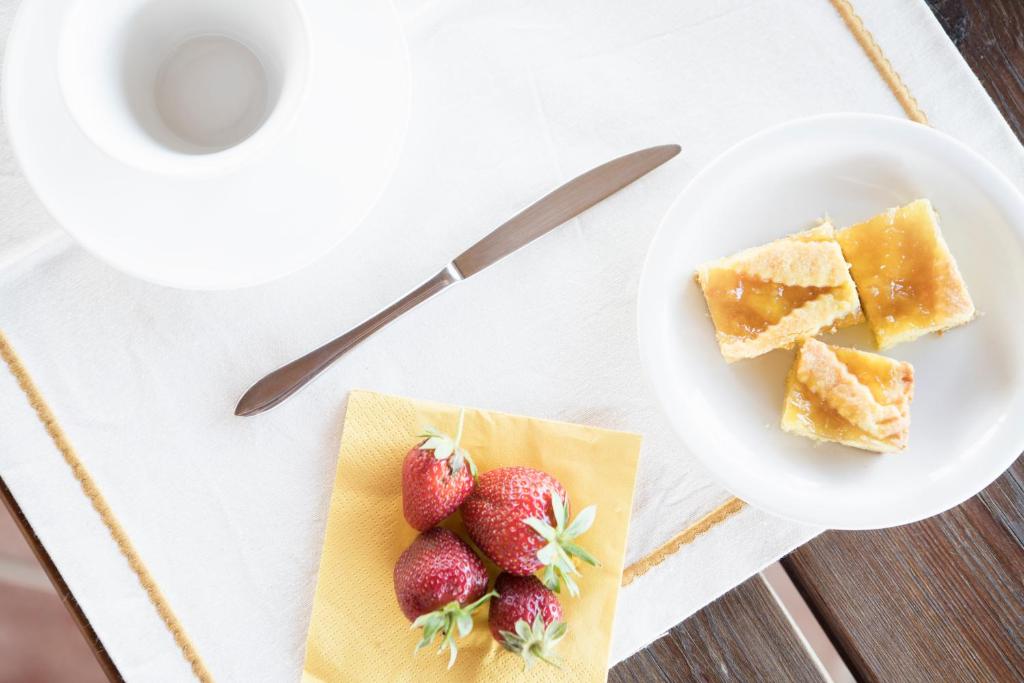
(579, 552)
(556, 631)
(557, 554)
(454, 651)
(447, 448)
(463, 454)
(543, 528)
(451, 619)
(570, 585)
(560, 509)
(465, 624)
(550, 579)
(548, 555)
(534, 641)
(584, 520)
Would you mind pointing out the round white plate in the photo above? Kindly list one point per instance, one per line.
(967, 418)
(286, 206)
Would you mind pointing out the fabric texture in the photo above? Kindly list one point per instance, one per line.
(357, 631)
(510, 100)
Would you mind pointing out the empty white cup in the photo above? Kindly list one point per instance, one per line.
(188, 87)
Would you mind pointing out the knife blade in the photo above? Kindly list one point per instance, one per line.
(554, 209)
(561, 205)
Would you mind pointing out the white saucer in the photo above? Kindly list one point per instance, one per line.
(967, 418)
(286, 206)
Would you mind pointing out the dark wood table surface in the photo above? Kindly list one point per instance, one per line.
(939, 600)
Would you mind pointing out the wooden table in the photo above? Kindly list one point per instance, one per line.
(939, 600)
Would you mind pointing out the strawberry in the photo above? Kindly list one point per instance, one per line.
(526, 618)
(517, 516)
(439, 581)
(436, 478)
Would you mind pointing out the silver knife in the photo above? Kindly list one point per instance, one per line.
(568, 201)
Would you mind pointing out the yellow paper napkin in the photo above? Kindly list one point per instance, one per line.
(358, 633)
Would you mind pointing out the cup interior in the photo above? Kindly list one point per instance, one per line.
(183, 85)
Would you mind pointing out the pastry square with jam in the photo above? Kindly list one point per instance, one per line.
(851, 397)
(777, 294)
(908, 281)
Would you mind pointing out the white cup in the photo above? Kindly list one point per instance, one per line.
(187, 87)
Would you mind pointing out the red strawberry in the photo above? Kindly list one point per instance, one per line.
(435, 478)
(517, 516)
(439, 581)
(526, 618)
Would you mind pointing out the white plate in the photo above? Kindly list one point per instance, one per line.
(287, 205)
(967, 418)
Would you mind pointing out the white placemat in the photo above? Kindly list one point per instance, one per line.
(510, 100)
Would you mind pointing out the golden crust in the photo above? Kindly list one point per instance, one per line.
(811, 258)
(880, 417)
(821, 371)
(864, 443)
(795, 262)
(883, 251)
(811, 318)
(823, 232)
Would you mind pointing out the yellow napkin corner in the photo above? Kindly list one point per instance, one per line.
(357, 632)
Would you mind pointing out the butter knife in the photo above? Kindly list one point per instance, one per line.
(567, 202)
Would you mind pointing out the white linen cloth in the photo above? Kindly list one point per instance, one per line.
(510, 99)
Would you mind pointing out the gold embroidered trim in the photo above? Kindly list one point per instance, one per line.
(107, 516)
(687, 535)
(881, 62)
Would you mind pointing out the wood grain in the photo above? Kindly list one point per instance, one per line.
(938, 600)
(40, 642)
(742, 636)
(64, 594)
(990, 36)
(943, 599)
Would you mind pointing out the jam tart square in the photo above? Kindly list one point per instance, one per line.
(907, 278)
(777, 294)
(851, 397)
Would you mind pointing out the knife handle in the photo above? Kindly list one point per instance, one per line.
(286, 380)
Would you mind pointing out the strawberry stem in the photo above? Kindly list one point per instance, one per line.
(535, 641)
(458, 430)
(451, 619)
(557, 555)
(447, 448)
